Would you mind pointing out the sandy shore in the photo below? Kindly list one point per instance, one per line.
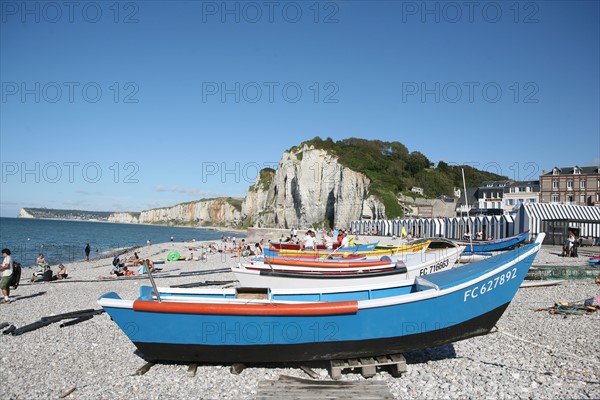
(534, 355)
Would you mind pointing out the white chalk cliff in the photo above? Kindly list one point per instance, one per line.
(218, 211)
(310, 188)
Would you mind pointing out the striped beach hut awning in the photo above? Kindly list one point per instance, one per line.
(587, 218)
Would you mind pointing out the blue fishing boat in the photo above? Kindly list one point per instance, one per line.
(494, 245)
(241, 325)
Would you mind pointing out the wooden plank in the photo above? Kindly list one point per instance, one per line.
(144, 369)
(191, 372)
(237, 368)
(368, 371)
(68, 392)
(303, 389)
(309, 372)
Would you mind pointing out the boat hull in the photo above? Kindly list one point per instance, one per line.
(495, 245)
(321, 351)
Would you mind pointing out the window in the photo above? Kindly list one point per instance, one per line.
(521, 189)
(597, 197)
(570, 184)
(554, 184)
(582, 184)
(554, 198)
(570, 198)
(512, 189)
(555, 171)
(582, 198)
(576, 170)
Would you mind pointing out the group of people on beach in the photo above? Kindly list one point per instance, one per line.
(123, 268)
(242, 248)
(331, 238)
(44, 271)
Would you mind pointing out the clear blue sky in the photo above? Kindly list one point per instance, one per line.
(122, 106)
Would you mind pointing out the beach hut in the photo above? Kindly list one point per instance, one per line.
(557, 220)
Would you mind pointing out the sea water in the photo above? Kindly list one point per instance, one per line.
(64, 241)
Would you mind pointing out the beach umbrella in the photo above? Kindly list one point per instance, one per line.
(173, 256)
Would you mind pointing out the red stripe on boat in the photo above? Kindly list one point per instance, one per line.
(328, 263)
(336, 308)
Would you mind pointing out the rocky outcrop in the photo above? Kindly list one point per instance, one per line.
(310, 188)
(124, 218)
(23, 213)
(217, 212)
(220, 211)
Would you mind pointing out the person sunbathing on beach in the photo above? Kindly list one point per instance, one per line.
(41, 260)
(62, 272)
(142, 269)
(135, 259)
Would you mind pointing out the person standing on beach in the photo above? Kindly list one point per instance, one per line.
(7, 270)
(87, 252)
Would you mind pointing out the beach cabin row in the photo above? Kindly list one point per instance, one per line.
(556, 220)
(490, 226)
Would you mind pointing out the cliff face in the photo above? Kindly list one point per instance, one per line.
(23, 213)
(311, 188)
(202, 212)
(124, 218)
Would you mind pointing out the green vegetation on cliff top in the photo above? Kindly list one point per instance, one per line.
(393, 169)
(265, 178)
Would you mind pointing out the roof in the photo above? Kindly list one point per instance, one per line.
(563, 212)
(524, 183)
(569, 170)
(495, 184)
(471, 197)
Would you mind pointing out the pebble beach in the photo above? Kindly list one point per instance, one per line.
(531, 355)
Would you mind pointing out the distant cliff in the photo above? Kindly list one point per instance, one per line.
(219, 212)
(49, 213)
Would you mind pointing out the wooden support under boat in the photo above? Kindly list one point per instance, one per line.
(192, 370)
(144, 369)
(368, 365)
